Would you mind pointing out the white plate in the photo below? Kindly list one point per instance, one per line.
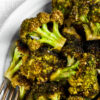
(9, 31)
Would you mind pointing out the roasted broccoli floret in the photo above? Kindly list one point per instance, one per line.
(66, 72)
(71, 34)
(93, 47)
(85, 13)
(85, 81)
(76, 10)
(37, 29)
(63, 5)
(47, 91)
(40, 65)
(20, 54)
(98, 98)
(77, 98)
(92, 31)
(22, 83)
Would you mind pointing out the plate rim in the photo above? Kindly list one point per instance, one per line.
(5, 26)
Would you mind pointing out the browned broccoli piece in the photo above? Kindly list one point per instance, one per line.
(85, 81)
(76, 98)
(92, 31)
(95, 11)
(63, 5)
(22, 83)
(93, 47)
(98, 98)
(38, 30)
(66, 72)
(79, 11)
(20, 54)
(73, 48)
(33, 44)
(40, 65)
(74, 44)
(84, 11)
(87, 14)
(47, 91)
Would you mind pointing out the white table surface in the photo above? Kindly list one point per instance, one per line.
(7, 7)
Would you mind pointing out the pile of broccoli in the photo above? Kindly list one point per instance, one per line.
(57, 56)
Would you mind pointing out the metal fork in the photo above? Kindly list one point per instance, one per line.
(9, 91)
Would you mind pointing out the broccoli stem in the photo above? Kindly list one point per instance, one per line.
(95, 28)
(87, 32)
(16, 57)
(54, 38)
(22, 92)
(10, 72)
(64, 73)
(92, 32)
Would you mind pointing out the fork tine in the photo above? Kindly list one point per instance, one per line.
(5, 92)
(17, 95)
(3, 85)
(11, 94)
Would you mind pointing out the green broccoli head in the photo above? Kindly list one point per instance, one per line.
(47, 91)
(92, 31)
(38, 29)
(85, 81)
(23, 84)
(20, 53)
